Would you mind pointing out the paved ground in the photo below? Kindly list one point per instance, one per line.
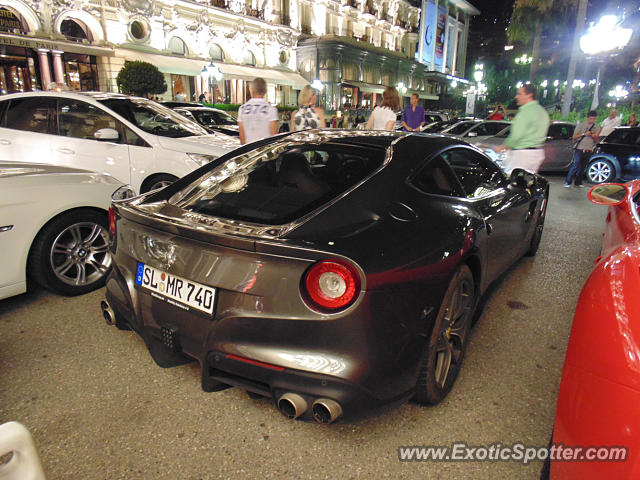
(99, 408)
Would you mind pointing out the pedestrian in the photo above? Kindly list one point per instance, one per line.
(632, 122)
(496, 115)
(527, 134)
(180, 97)
(383, 117)
(286, 119)
(257, 118)
(585, 137)
(202, 97)
(609, 123)
(413, 115)
(308, 115)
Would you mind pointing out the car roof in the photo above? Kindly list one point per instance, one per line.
(200, 108)
(73, 94)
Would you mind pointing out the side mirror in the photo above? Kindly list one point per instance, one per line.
(608, 194)
(106, 134)
(521, 178)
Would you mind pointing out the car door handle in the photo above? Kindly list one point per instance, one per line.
(5, 142)
(66, 150)
(489, 228)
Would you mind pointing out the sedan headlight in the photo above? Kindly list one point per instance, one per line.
(202, 159)
(123, 193)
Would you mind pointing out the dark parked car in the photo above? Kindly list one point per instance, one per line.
(212, 119)
(558, 154)
(328, 270)
(617, 157)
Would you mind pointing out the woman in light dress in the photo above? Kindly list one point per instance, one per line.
(384, 116)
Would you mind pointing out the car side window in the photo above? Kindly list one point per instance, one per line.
(478, 175)
(32, 114)
(437, 178)
(79, 119)
(132, 138)
(559, 132)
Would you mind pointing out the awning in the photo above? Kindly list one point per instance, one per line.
(189, 66)
(244, 72)
(166, 64)
(426, 96)
(365, 87)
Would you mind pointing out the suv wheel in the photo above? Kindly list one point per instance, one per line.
(600, 171)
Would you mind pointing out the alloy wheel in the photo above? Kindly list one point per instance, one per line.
(80, 254)
(599, 172)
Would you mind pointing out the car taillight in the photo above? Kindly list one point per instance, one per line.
(112, 222)
(331, 285)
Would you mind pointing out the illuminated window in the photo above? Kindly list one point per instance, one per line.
(216, 53)
(249, 58)
(177, 46)
(75, 30)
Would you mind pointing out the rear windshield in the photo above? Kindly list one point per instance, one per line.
(211, 117)
(627, 136)
(276, 185)
(458, 129)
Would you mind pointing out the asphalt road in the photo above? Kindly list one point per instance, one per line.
(99, 408)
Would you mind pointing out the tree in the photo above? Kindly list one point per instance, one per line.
(529, 21)
(141, 79)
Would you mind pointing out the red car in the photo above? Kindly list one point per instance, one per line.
(599, 399)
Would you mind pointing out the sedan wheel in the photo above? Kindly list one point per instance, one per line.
(537, 233)
(444, 354)
(71, 254)
(157, 181)
(600, 171)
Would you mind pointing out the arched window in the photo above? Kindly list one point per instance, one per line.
(216, 53)
(177, 46)
(12, 21)
(249, 58)
(75, 30)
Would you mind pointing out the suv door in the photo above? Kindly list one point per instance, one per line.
(25, 131)
(74, 143)
(558, 154)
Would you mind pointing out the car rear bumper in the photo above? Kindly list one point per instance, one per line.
(352, 361)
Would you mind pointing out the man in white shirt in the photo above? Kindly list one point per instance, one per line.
(257, 118)
(609, 123)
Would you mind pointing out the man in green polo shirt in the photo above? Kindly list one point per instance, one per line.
(527, 134)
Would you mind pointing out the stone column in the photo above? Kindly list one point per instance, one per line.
(58, 70)
(45, 73)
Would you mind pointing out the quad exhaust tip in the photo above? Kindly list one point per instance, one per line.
(107, 313)
(326, 410)
(292, 405)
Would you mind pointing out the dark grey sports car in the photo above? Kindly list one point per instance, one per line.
(331, 271)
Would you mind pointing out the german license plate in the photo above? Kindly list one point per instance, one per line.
(177, 291)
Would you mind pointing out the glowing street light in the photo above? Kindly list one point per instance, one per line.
(211, 74)
(619, 92)
(317, 84)
(524, 59)
(606, 36)
(401, 87)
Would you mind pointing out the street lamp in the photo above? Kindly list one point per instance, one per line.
(604, 37)
(619, 92)
(401, 87)
(211, 74)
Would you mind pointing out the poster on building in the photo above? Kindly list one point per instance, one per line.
(440, 36)
(427, 31)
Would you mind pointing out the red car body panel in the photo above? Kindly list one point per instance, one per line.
(599, 399)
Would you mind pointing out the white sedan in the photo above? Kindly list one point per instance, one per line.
(140, 142)
(54, 227)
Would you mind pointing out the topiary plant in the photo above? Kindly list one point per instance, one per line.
(141, 79)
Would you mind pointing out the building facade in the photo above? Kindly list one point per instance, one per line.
(84, 44)
(355, 47)
(358, 47)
